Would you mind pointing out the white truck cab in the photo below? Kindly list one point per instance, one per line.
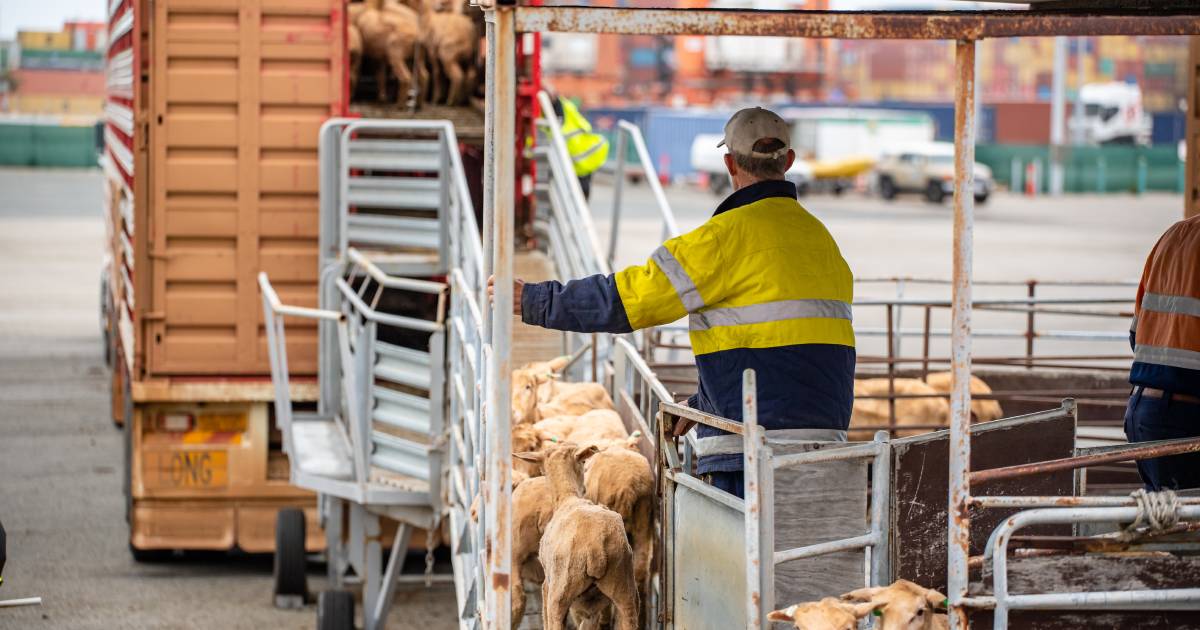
(1112, 114)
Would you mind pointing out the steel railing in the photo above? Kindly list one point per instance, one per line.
(670, 227)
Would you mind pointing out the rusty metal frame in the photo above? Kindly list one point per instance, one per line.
(945, 25)
(965, 27)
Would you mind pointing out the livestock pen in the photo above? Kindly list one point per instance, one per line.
(966, 501)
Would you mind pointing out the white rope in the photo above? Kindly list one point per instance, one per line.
(1158, 510)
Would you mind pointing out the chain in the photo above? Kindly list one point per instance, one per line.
(429, 546)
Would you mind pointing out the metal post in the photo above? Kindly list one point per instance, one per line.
(760, 549)
(1058, 109)
(925, 343)
(502, 140)
(618, 187)
(880, 496)
(960, 391)
(891, 372)
(1029, 326)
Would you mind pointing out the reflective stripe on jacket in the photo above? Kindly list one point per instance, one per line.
(1166, 322)
(763, 285)
(588, 150)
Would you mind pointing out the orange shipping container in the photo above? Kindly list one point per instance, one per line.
(59, 83)
(237, 96)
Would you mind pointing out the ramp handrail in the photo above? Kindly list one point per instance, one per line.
(670, 227)
(575, 207)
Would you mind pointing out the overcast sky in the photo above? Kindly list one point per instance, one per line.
(49, 14)
(45, 14)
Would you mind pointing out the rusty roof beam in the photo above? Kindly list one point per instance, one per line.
(944, 25)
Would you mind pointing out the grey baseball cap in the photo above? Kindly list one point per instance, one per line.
(752, 124)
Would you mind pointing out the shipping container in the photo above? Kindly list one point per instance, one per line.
(56, 105)
(76, 60)
(58, 82)
(212, 116)
(44, 40)
(1022, 123)
(90, 36)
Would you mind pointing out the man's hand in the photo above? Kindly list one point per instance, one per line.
(682, 426)
(518, 288)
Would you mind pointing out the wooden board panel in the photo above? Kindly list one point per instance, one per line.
(531, 343)
(815, 504)
(238, 91)
(920, 487)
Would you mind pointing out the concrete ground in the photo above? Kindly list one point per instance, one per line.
(60, 457)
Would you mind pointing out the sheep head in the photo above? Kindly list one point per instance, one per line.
(528, 382)
(903, 605)
(562, 464)
(526, 438)
(827, 614)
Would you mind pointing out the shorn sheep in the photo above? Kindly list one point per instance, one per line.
(584, 544)
(903, 605)
(827, 614)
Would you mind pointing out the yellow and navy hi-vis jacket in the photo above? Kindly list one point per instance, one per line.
(764, 286)
(588, 149)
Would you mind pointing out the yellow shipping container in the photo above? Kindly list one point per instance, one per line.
(56, 104)
(44, 40)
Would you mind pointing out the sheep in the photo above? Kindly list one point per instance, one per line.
(451, 44)
(620, 479)
(598, 427)
(933, 410)
(571, 399)
(390, 34)
(354, 49)
(903, 605)
(525, 437)
(584, 544)
(527, 384)
(983, 410)
(532, 506)
(827, 614)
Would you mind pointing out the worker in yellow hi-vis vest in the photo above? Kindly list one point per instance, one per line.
(588, 149)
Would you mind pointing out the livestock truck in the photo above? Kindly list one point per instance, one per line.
(212, 114)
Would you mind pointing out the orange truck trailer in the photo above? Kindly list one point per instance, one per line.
(210, 161)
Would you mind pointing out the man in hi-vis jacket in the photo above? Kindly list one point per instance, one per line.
(763, 286)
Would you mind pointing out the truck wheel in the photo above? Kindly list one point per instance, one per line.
(934, 192)
(335, 610)
(291, 581)
(887, 188)
(718, 183)
(981, 199)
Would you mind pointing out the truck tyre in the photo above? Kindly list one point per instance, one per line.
(887, 188)
(981, 199)
(718, 183)
(291, 581)
(934, 192)
(106, 323)
(335, 610)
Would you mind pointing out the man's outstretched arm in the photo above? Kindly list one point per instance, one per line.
(587, 305)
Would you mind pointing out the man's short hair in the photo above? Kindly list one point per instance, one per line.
(764, 168)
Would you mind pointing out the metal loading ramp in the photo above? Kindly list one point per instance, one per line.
(402, 425)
